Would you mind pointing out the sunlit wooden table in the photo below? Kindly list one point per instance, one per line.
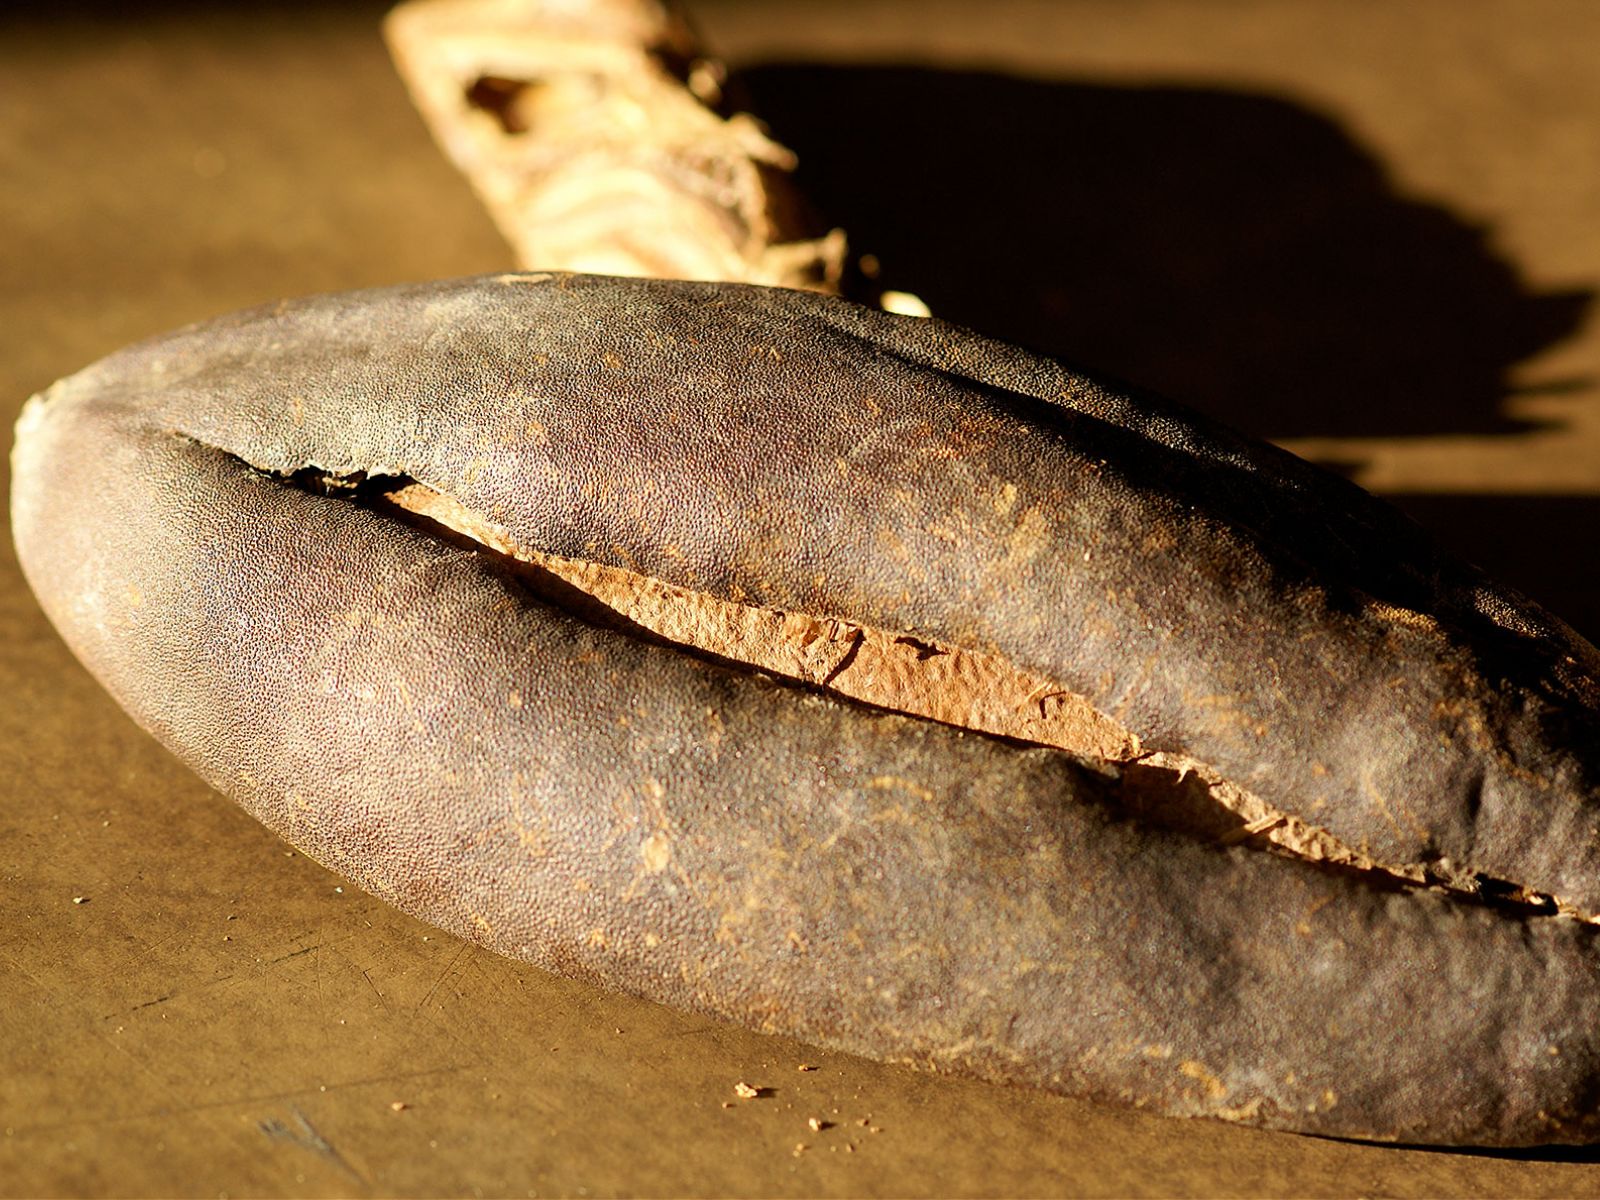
(1369, 230)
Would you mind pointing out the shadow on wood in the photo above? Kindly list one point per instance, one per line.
(1234, 250)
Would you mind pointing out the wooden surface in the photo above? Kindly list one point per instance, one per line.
(1370, 229)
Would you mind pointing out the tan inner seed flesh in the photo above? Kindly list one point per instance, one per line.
(910, 675)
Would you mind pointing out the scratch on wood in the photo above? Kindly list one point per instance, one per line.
(305, 1135)
(443, 975)
(293, 954)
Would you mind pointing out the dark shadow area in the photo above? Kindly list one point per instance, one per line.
(1233, 250)
(1550, 1154)
(1540, 545)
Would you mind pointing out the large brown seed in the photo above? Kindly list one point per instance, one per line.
(331, 553)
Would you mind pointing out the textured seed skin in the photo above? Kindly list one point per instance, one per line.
(406, 712)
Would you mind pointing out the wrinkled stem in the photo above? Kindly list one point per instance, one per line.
(600, 139)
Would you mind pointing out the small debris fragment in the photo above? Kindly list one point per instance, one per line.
(800, 1148)
(399, 1105)
(727, 1104)
(80, 899)
(805, 1067)
(745, 1092)
(818, 1124)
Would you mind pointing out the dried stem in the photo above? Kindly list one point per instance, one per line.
(598, 137)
